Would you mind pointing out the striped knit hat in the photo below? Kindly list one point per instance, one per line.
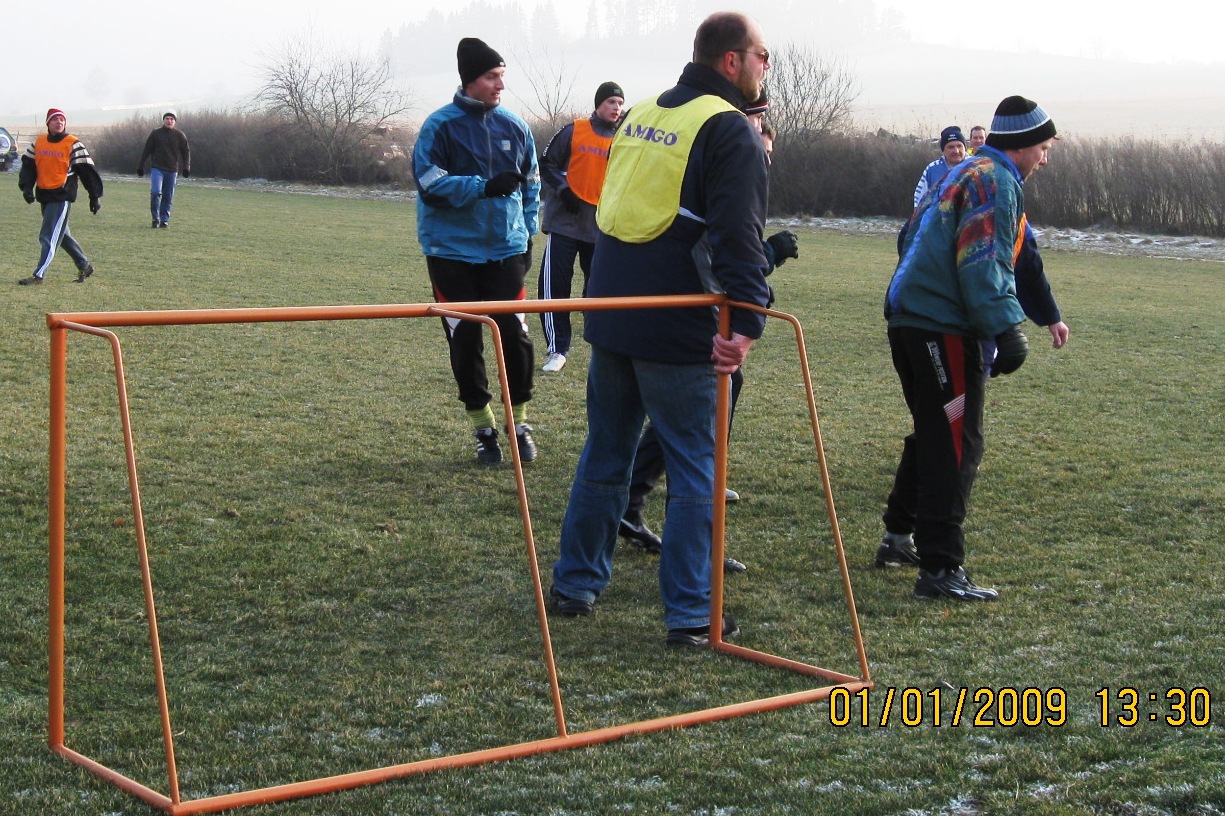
(1019, 123)
(52, 112)
(759, 105)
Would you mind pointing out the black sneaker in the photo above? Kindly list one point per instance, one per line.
(951, 583)
(570, 607)
(164, 225)
(897, 550)
(156, 224)
(488, 451)
(698, 636)
(85, 273)
(527, 446)
(33, 280)
(640, 536)
(732, 565)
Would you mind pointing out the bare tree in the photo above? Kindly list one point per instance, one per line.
(809, 95)
(336, 100)
(552, 83)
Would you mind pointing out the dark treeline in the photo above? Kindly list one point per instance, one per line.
(1125, 183)
(242, 145)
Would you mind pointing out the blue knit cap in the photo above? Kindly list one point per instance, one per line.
(1019, 123)
(952, 133)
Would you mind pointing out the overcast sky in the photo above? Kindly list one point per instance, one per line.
(155, 53)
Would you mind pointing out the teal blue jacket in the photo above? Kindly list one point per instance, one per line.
(955, 275)
(461, 146)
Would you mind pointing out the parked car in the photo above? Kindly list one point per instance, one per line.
(8, 151)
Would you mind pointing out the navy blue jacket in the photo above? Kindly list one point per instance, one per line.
(714, 245)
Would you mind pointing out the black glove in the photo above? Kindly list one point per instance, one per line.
(569, 200)
(785, 245)
(94, 205)
(28, 195)
(503, 184)
(186, 173)
(1011, 348)
(140, 171)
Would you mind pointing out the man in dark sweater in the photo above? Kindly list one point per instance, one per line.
(168, 150)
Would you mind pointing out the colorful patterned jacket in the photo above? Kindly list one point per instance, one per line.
(956, 274)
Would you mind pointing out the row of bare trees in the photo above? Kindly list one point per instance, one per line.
(326, 117)
(1133, 183)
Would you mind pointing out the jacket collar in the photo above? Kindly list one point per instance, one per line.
(1001, 158)
(468, 104)
(709, 81)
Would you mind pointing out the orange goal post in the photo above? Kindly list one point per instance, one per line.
(99, 324)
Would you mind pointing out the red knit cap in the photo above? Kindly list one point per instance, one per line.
(55, 112)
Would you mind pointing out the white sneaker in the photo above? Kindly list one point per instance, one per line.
(554, 362)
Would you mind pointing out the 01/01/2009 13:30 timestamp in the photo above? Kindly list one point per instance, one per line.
(1009, 707)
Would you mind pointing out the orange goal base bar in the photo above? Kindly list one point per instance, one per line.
(99, 323)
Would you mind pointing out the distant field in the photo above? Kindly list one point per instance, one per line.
(340, 588)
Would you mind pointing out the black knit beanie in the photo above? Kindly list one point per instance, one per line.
(475, 58)
(606, 90)
(1019, 123)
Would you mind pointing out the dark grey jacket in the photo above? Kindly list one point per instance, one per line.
(553, 168)
(169, 150)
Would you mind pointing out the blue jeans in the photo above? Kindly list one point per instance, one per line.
(161, 194)
(54, 234)
(680, 401)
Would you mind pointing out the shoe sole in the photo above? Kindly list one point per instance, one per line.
(687, 641)
(965, 598)
(570, 607)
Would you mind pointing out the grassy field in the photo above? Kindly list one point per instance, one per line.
(340, 587)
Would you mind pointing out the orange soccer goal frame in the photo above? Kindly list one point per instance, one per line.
(98, 323)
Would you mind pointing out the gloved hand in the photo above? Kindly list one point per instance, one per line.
(527, 264)
(94, 205)
(140, 171)
(785, 245)
(569, 200)
(186, 173)
(28, 195)
(503, 184)
(1011, 348)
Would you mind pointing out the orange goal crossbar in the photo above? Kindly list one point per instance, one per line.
(99, 323)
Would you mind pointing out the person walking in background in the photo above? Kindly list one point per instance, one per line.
(952, 150)
(953, 287)
(682, 212)
(978, 137)
(572, 174)
(479, 197)
(167, 152)
(50, 170)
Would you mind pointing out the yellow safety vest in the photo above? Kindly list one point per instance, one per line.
(646, 167)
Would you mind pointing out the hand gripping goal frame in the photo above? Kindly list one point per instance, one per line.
(99, 323)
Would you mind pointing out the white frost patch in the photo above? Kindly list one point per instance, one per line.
(426, 700)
